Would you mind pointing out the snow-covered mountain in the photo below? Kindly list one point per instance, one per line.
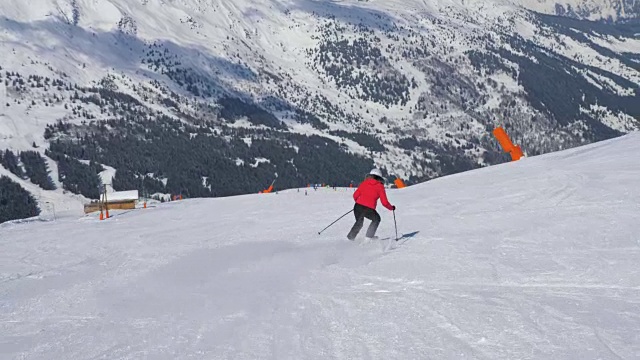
(586, 9)
(218, 97)
(536, 259)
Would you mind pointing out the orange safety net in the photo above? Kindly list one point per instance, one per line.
(399, 183)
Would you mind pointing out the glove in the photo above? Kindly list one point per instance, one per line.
(393, 207)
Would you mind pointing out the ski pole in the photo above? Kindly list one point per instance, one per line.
(335, 221)
(395, 224)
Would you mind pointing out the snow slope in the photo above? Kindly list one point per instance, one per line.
(530, 260)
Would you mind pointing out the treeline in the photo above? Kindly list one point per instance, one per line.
(10, 162)
(35, 167)
(77, 177)
(168, 156)
(490, 62)
(233, 109)
(556, 86)
(368, 141)
(15, 202)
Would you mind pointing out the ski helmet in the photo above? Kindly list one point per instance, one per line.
(376, 172)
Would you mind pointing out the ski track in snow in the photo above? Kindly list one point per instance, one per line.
(536, 259)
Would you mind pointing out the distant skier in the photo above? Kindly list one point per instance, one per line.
(366, 197)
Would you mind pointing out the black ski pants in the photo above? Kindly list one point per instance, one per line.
(360, 213)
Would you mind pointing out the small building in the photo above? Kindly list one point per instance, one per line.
(117, 200)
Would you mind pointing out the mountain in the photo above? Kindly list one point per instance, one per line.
(216, 98)
(610, 10)
(532, 259)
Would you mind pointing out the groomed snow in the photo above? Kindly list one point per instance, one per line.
(536, 259)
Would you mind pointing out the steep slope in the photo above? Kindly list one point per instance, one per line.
(534, 259)
(213, 98)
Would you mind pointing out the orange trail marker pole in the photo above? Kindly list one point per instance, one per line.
(508, 146)
(503, 139)
(516, 154)
(270, 188)
(399, 183)
(101, 204)
(105, 202)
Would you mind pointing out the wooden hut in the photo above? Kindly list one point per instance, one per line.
(117, 200)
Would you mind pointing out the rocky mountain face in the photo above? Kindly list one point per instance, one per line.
(219, 97)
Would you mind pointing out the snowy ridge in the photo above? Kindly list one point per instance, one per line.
(532, 259)
(587, 9)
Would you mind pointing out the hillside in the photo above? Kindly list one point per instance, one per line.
(609, 10)
(216, 98)
(533, 259)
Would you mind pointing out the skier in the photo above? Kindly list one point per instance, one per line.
(366, 197)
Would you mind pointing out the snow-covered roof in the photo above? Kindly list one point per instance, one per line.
(122, 196)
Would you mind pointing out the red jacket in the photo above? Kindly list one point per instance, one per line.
(369, 192)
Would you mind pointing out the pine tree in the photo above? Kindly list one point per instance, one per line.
(15, 202)
(36, 169)
(10, 162)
